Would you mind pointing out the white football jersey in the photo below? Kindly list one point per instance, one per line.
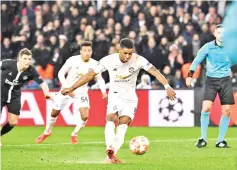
(75, 68)
(123, 76)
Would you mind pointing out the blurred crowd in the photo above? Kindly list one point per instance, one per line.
(167, 33)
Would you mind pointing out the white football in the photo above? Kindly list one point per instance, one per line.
(139, 145)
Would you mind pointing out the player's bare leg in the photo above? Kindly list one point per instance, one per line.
(49, 126)
(110, 138)
(121, 130)
(84, 111)
(110, 133)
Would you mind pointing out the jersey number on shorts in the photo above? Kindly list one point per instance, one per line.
(84, 99)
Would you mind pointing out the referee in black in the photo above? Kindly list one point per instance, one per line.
(14, 74)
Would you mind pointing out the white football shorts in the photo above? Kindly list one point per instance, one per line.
(79, 100)
(122, 106)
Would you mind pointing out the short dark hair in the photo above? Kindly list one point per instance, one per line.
(126, 43)
(86, 43)
(219, 26)
(24, 51)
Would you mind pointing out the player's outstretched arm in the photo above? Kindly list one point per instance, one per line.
(44, 86)
(101, 83)
(63, 71)
(170, 91)
(83, 80)
(201, 55)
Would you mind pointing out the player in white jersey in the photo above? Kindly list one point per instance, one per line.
(123, 70)
(75, 67)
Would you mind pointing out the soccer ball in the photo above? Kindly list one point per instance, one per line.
(139, 145)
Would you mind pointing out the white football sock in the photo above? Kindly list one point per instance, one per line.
(119, 139)
(109, 134)
(80, 124)
(50, 124)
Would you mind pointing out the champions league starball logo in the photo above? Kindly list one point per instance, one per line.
(171, 111)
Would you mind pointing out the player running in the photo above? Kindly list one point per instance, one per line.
(75, 67)
(123, 68)
(218, 82)
(14, 74)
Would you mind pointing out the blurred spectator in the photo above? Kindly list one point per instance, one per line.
(177, 80)
(56, 13)
(75, 47)
(145, 82)
(201, 19)
(175, 32)
(211, 14)
(101, 22)
(180, 14)
(48, 30)
(117, 29)
(175, 59)
(101, 47)
(134, 10)
(127, 26)
(188, 33)
(47, 15)
(6, 20)
(205, 36)
(159, 32)
(153, 54)
(89, 33)
(164, 47)
(195, 13)
(195, 44)
(67, 30)
(169, 27)
(151, 15)
(41, 54)
(156, 22)
(53, 42)
(185, 48)
(75, 18)
(167, 74)
(120, 13)
(64, 51)
(38, 25)
(91, 17)
(140, 22)
(7, 51)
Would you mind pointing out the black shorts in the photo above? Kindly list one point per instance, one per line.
(221, 86)
(13, 107)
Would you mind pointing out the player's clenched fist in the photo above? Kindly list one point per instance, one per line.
(171, 93)
(104, 96)
(48, 96)
(189, 81)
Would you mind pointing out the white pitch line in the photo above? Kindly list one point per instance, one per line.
(102, 142)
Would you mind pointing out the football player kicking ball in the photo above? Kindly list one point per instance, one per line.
(75, 67)
(123, 68)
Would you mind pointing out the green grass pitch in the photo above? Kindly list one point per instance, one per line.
(170, 149)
